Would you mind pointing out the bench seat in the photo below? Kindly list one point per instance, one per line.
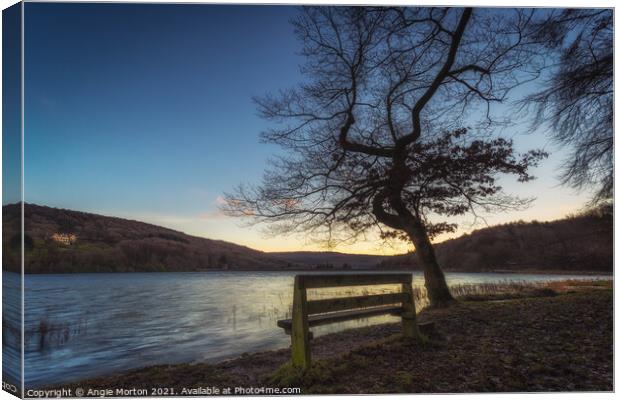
(323, 319)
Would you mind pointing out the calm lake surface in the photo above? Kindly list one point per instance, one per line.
(98, 324)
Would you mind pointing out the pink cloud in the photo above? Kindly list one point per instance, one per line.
(212, 215)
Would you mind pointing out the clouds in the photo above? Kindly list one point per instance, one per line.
(215, 214)
(209, 216)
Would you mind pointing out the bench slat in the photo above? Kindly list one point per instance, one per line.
(323, 319)
(327, 281)
(350, 303)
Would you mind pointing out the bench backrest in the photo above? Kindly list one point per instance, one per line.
(304, 282)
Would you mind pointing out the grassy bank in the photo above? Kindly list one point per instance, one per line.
(560, 340)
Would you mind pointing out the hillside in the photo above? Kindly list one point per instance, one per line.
(578, 243)
(63, 241)
(96, 243)
(331, 259)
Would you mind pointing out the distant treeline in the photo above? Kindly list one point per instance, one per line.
(108, 244)
(581, 242)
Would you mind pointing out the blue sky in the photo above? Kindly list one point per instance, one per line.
(145, 112)
(11, 105)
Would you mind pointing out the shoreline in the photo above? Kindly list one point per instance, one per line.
(505, 272)
(481, 337)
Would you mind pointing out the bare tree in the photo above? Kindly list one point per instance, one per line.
(373, 137)
(576, 101)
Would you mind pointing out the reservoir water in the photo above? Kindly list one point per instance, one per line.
(84, 325)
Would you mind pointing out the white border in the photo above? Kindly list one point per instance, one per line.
(479, 3)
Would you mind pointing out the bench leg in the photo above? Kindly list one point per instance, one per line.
(410, 327)
(300, 340)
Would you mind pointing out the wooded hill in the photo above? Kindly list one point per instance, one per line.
(108, 244)
(331, 260)
(581, 242)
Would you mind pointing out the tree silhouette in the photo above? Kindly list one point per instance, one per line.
(576, 102)
(374, 136)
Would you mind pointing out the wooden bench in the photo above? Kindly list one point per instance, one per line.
(311, 313)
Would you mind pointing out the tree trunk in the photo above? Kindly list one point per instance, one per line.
(435, 281)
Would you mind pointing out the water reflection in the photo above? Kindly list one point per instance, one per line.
(83, 325)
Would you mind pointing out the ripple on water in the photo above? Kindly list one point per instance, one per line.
(104, 323)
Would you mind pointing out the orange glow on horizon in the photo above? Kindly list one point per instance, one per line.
(215, 226)
(370, 247)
